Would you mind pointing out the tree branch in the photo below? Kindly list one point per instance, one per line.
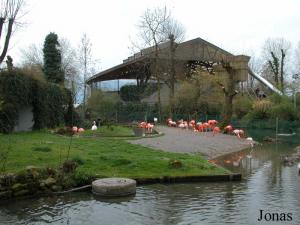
(222, 86)
(7, 38)
(2, 20)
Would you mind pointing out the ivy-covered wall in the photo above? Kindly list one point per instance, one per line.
(50, 102)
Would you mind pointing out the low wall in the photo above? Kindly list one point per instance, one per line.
(25, 120)
(183, 179)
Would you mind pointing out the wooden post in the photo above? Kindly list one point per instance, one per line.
(276, 128)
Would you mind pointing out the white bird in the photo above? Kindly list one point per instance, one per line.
(250, 139)
(94, 127)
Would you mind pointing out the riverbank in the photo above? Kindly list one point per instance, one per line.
(101, 157)
(94, 157)
(186, 141)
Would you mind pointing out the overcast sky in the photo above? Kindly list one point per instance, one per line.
(238, 26)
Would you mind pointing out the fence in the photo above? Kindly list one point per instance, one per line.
(284, 126)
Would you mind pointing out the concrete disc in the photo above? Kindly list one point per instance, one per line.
(114, 187)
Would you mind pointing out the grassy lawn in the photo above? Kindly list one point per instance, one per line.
(102, 157)
(111, 131)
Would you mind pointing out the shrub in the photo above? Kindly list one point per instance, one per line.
(69, 166)
(17, 90)
(103, 105)
(134, 93)
(78, 160)
(131, 93)
(262, 106)
(242, 105)
(284, 110)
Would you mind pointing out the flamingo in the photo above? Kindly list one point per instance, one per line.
(200, 127)
(192, 124)
(142, 124)
(80, 130)
(181, 125)
(216, 130)
(239, 133)
(205, 126)
(212, 123)
(171, 123)
(74, 129)
(228, 129)
(149, 127)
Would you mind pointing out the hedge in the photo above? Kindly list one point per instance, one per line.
(50, 102)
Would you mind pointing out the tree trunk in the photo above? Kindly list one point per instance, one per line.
(275, 68)
(281, 70)
(158, 81)
(228, 109)
(7, 38)
(229, 93)
(172, 75)
(158, 100)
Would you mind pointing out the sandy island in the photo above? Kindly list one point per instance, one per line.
(187, 141)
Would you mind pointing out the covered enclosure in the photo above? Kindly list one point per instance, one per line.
(187, 55)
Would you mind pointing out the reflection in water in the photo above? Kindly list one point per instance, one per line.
(267, 185)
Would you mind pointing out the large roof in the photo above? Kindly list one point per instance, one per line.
(192, 50)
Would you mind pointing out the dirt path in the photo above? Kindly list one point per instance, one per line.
(187, 141)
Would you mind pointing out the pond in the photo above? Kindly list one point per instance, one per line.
(267, 185)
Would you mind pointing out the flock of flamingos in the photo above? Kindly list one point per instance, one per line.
(210, 125)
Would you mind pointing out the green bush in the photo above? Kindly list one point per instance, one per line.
(79, 160)
(18, 89)
(242, 105)
(284, 110)
(103, 105)
(271, 108)
(134, 93)
(131, 93)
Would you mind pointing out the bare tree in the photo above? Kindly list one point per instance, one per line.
(275, 54)
(157, 26)
(73, 80)
(151, 33)
(297, 60)
(175, 33)
(85, 60)
(9, 12)
(32, 56)
(255, 65)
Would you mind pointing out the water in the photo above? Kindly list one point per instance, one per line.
(267, 185)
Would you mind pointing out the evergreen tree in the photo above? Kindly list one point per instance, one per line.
(52, 59)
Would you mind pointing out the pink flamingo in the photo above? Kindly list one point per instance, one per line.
(239, 133)
(216, 130)
(75, 129)
(228, 129)
(80, 130)
(149, 127)
(212, 123)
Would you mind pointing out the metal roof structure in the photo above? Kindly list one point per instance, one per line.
(192, 50)
(197, 51)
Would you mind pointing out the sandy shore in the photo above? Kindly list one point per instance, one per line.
(187, 141)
